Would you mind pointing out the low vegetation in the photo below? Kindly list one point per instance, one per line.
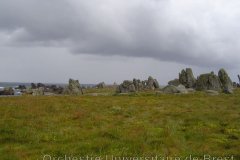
(140, 124)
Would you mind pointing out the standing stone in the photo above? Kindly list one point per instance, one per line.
(73, 88)
(138, 84)
(239, 78)
(174, 82)
(208, 81)
(40, 85)
(187, 79)
(126, 86)
(227, 84)
(33, 86)
(131, 88)
(56, 89)
(235, 84)
(152, 83)
(38, 91)
(28, 91)
(21, 87)
(156, 84)
(101, 85)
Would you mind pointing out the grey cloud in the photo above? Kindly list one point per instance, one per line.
(202, 33)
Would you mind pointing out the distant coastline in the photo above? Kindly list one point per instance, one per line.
(15, 84)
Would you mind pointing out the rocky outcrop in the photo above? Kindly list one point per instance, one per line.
(208, 81)
(101, 85)
(174, 82)
(7, 91)
(226, 82)
(138, 85)
(187, 79)
(55, 89)
(126, 87)
(73, 88)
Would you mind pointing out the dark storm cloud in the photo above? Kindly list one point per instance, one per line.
(200, 32)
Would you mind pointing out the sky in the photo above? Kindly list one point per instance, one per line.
(113, 40)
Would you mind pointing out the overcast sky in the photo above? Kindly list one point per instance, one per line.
(113, 40)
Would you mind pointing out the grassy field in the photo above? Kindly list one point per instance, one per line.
(143, 124)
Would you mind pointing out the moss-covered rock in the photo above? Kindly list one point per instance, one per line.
(208, 81)
(170, 89)
(174, 82)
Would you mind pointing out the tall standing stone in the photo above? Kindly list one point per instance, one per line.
(152, 83)
(227, 84)
(187, 79)
(73, 88)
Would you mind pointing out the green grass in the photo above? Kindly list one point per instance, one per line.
(143, 124)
